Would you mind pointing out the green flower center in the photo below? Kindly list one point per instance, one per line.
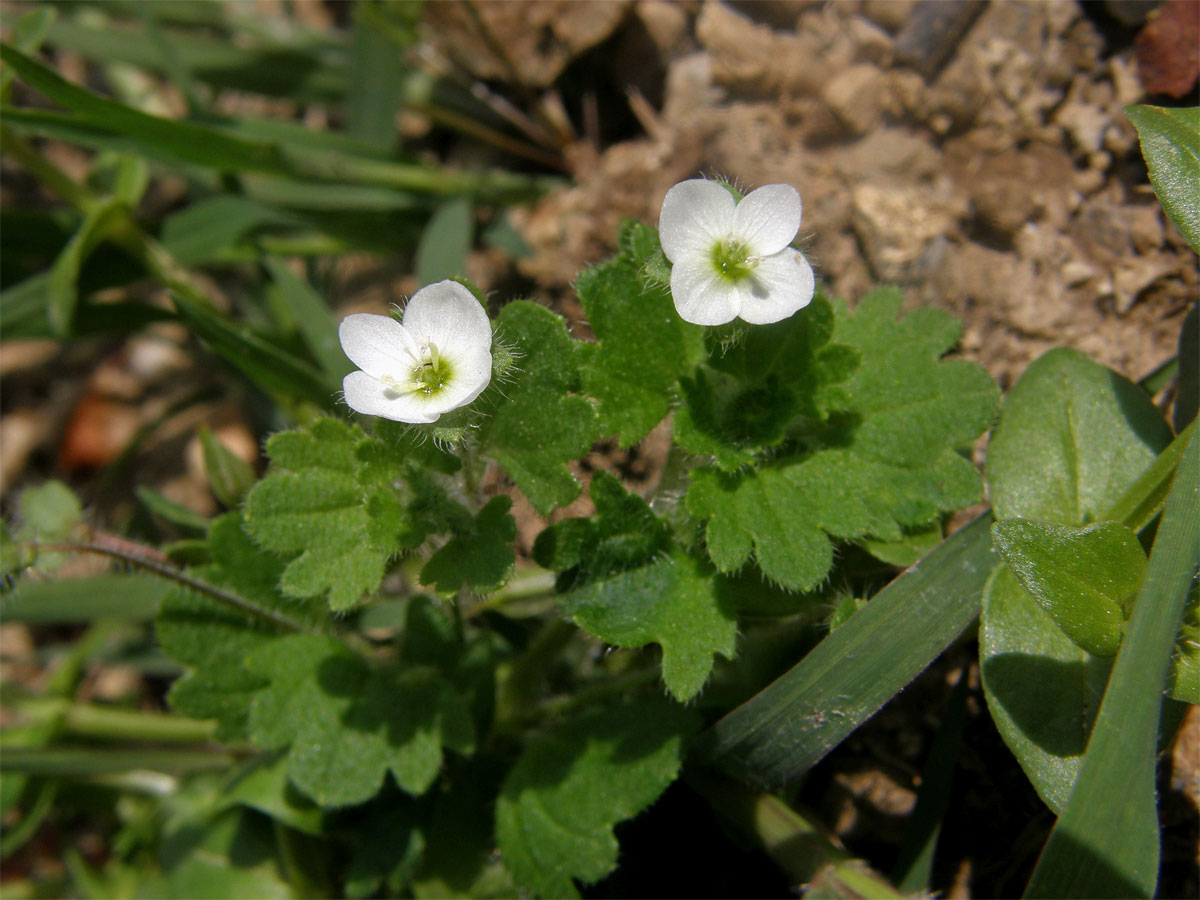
(732, 260)
(429, 376)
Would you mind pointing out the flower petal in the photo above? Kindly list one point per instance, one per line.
(701, 295)
(448, 314)
(470, 374)
(372, 397)
(379, 345)
(767, 219)
(695, 215)
(780, 285)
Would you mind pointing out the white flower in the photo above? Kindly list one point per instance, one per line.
(732, 258)
(439, 359)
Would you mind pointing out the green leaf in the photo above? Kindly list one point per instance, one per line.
(1187, 395)
(445, 242)
(545, 423)
(571, 786)
(623, 534)
(787, 514)
(262, 361)
(48, 512)
(912, 405)
(1170, 141)
(1185, 664)
(786, 728)
(99, 223)
(214, 639)
(232, 856)
(673, 602)
(312, 318)
(229, 476)
(1084, 577)
(341, 530)
(1106, 841)
(375, 82)
(479, 556)
(1071, 438)
(1042, 688)
(206, 229)
(262, 784)
(348, 724)
(175, 513)
(643, 344)
(128, 597)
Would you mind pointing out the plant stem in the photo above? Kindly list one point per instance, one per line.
(89, 761)
(170, 572)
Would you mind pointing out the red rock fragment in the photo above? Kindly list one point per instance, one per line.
(1168, 49)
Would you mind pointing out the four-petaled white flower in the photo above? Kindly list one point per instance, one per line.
(731, 259)
(439, 359)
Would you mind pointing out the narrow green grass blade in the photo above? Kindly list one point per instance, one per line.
(84, 599)
(27, 35)
(1106, 842)
(268, 366)
(182, 140)
(375, 83)
(81, 762)
(63, 287)
(445, 243)
(313, 320)
(170, 511)
(790, 725)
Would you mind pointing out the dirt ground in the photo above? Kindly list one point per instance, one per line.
(982, 164)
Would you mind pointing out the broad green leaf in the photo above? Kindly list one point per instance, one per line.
(1170, 141)
(48, 513)
(906, 551)
(347, 723)
(787, 514)
(672, 602)
(545, 423)
(1043, 690)
(229, 476)
(643, 344)
(445, 242)
(1106, 841)
(479, 556)
(388, 846)
(340, 530)
(571, 786)
(1071, 437)
(786, 728)
(1084, 577)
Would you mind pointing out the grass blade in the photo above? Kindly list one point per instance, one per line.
(312, 318)
(84, 599)
(790, 725)
(1106, 842)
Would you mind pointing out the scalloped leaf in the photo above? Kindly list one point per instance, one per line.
(570, 787)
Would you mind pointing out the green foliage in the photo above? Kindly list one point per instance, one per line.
(1085, 577)
(214, 638)
(1185, 665)
(1072, 438)
(329, 503)
(621, 583)
(1170, 141)
(348, 723)
(479, 555)
(545, 423)
(866, 421)
(229, 476)
(558, 806)
(643, 346)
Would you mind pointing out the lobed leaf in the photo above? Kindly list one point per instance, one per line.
(673, 602)
(346, 723)
(546, 423)
(643, 346)
(479, 555)
(572, 785)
